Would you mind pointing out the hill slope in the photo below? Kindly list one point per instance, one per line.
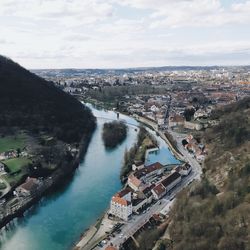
(29, 102)
(215, 214)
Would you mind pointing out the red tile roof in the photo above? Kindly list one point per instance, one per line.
(146, 170)
(136, 182)
(171, 178)
(159, 189)
(110, 248)
(30, 184)
(123, 192)
(120, 201)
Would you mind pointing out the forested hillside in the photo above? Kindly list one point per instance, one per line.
(215, 214)
(29, 102)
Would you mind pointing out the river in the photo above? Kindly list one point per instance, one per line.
(58, 220)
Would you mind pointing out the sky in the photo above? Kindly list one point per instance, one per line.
(41, 34)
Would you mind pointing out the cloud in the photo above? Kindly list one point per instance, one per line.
(77, 37)
(3, 41)
(124, 33)
(65, 11)
(193, 13)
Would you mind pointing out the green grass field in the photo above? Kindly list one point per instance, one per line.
(16, 164)
(12, 142)
(17, 170)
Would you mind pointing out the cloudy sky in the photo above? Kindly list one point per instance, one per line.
(125, 33)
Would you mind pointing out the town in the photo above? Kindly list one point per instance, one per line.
(182, 96)
(177, 104)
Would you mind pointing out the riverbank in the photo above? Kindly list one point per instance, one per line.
(154, 127)
(103, 227)
(96, 233)
(10, 211)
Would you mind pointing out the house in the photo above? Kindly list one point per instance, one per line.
(149, 172)
(137, 166)
(121, 205)
(28, 188)
(185, 169)
(147, 193)
(176, 120)
(171, 181)
(166, 185)
(8, 155)
(158, 191)
(193, 125)
(134, 182)
(138, 204)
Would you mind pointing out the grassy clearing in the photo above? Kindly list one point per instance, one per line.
(16, 164)
(12, 142)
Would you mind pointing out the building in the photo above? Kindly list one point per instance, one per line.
(171, 181)
(193, 125)
(185, 169)
(147, 193)
(28, 188)
(137, 167)
(121, 205)
(166, 185)
(149, 172)
(176, 120)
(134, 182)
(138, 204)
(158, 191)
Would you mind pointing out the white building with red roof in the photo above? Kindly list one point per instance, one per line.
(121, 205)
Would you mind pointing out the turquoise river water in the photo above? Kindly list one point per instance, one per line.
(58, 220)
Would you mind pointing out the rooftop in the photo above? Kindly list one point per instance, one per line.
(159, 189)
(30, 184)
(146, 170)
(171, 178)
(110, 248)
(134, 180)
(123, 192)
(120, 201)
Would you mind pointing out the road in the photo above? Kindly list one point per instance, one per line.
(138, 221)
(187, 156)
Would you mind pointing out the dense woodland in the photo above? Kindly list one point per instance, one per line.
(114, 133)
(215, 214)
(110, 94)
(29, 102)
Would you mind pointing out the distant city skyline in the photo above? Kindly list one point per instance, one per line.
(42, 34)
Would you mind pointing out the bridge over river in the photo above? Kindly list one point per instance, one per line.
(121, 120)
